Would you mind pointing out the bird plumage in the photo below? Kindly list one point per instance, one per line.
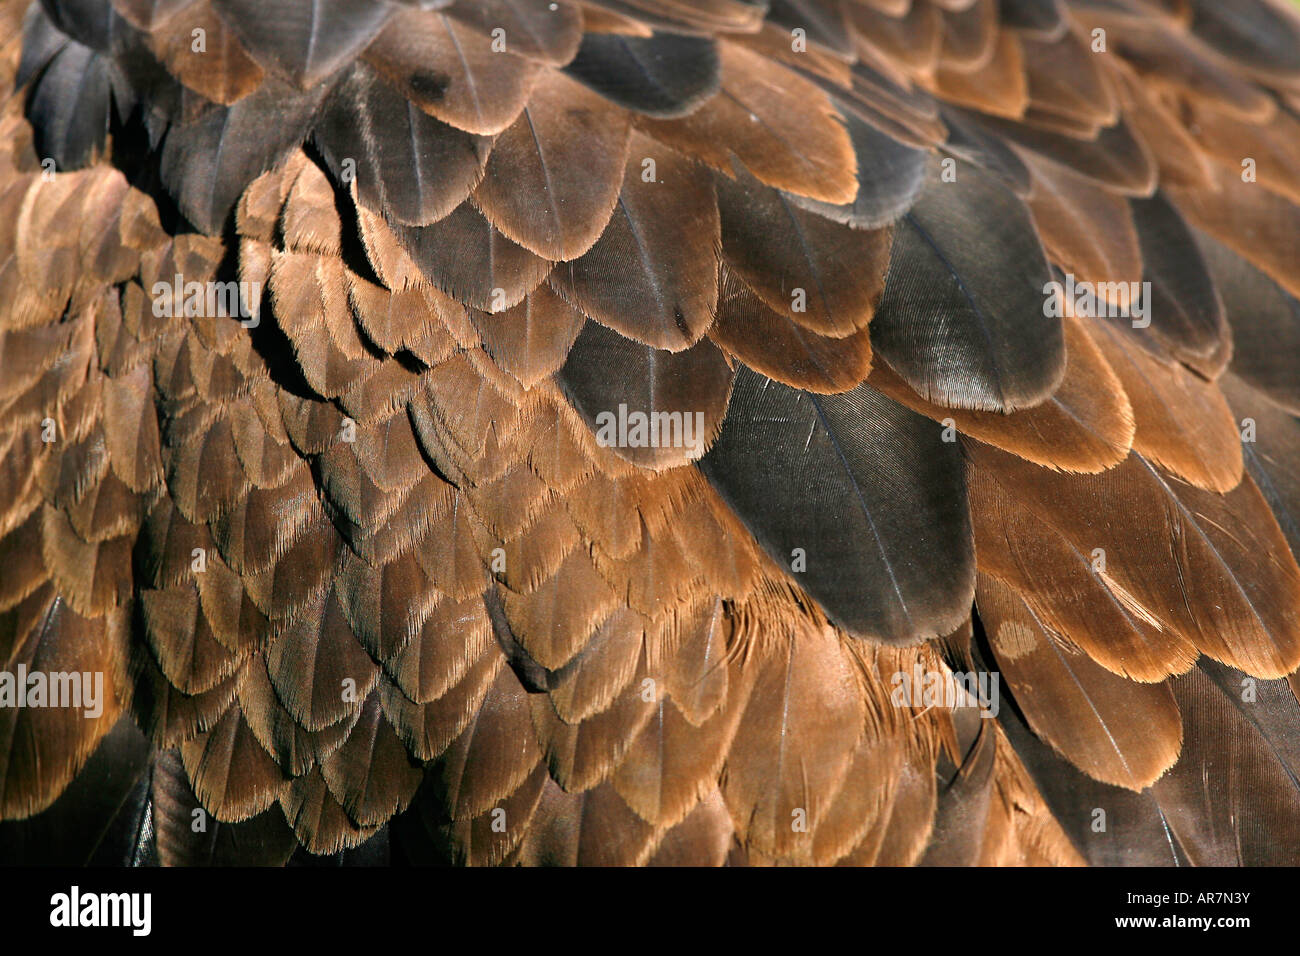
(314, 318)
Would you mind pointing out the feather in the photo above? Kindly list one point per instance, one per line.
(481, 840)
(371, 774)
(532, 339)
(856, 813)
(595, 828)
(646, 277)
(781, 347)
(184, 646)
(691, 16)
(1183, 422)
(910, 115)
(1086, 426)
(69, 107)
(232, 775)
(263, 840)
(675, 392)
(1179, 59)
(825, 276)
(94, 577)
(1179, 159)
(464, 256)
(890, 175)
(1198, 813)
(406, 164)
(309, 221)
(1273, 456)
(1190, 323)
(1265, 321)
(43, 747)
(664, 75)
(702, 838)
(553, 177)
(90, 22)
(1086, 230)
(998, 87)
(42, 39)
(897, 565)
(1114, 158)
(780, 126)
(452, 71)
(1037, 18)
(969, 140)
(530, 28)
(208, 162)
(970, 36)
(1243, 611)
(823, 24)
(1119, 732)
(1064, 78)
(589, 683)
(913, 39)
(904, 833)
(429, 727)
(1259, 37)
(963, 317)
(1231, 140)
(554, 622)
(304, 42)
(963, 799)
(794, 744)
(318, 666)
(1224, 823)
(149, 14)
(319, 821)
(583, 755)
(95, 821)
(215, 66)
(476, 773)
(1257, 224)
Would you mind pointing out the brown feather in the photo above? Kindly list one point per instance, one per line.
(1116, 731)
(1155, 534)
(222, 70)
(646, 277)
(452, 71)
(780, 126)
(1086, 426)
(824, 276)
(1183, 422)
(553, 177)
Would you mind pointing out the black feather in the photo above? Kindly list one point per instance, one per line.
(962, 319)
(69, 107)
(413, 168)
(1041, 18)
(1185, 311)
(868, 489)
(1265, 321)
(208, 163)
(665, 75)
(890, 175)
(306, 40)
(605, 371)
